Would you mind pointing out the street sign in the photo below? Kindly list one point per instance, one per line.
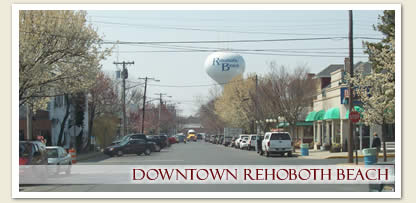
(354, 116)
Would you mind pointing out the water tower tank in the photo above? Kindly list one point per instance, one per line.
(223, 66)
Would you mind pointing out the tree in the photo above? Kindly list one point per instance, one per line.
(59, 53)
(291, 92)
(102, 100)
(377, 90)
(235, 107)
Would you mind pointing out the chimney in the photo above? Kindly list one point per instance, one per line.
(346, 64)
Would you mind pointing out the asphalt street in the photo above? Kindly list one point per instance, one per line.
(201, 153)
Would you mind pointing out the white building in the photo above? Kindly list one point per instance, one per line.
(57, 108)
(330, 110)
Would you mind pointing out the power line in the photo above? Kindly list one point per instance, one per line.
(237, 41)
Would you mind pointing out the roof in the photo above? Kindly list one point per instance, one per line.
(326, 73)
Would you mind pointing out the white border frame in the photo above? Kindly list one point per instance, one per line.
(301, 195)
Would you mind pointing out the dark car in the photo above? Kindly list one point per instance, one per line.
(199, 136)
(164, 141)
(32, 153)
(160, 141)
(156, 140)
(132, 146)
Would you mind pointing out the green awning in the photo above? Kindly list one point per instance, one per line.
(332, 113)
(357, 108)
(311, 116)
(319, 115)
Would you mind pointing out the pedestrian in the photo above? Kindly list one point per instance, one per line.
(376, 144)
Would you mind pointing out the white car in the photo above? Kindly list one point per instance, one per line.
(277, 143)
(237, 141)
(58, 156)
(244, 143)
(252, 142)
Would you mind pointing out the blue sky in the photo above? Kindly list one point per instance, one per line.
(186, 68)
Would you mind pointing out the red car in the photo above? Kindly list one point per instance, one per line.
(172, 140)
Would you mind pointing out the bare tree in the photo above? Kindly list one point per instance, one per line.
(290, 92)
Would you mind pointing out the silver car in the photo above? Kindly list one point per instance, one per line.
(58, 156)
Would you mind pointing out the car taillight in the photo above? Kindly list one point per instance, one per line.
(23, 161)
(268, 143)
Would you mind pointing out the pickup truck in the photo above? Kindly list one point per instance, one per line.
(277, 143)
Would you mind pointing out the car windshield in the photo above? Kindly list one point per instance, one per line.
(280, 136)
(52, 153)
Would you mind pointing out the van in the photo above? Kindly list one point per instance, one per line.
(277, 143)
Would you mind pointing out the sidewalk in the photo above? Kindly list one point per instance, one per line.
(318, 154)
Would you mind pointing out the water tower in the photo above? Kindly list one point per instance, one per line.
(224, 66)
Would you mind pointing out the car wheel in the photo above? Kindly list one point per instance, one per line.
(267, 154)
(289, 154)
(119, 153)
(138, 154)
(147, 152)
(68, 169)
(157, 148)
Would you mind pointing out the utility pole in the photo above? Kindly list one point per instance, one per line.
(124, 75)
(160, 106)
(351, 70)
(144, 98)
(256, 106)
(28, 122)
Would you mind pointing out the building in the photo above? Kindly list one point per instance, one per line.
(57, 115)
(330, 110)
(41, 125)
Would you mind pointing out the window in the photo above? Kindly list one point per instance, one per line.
(280, 136)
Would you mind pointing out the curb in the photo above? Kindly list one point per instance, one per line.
(359, 156)
(82, 157)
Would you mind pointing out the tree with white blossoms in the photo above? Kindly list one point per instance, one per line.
(59, 54)
(376, 90)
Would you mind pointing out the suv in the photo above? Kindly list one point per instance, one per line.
(132, 146)
(277, 143)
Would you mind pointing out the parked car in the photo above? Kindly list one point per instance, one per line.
(252, 141)
(239, 139)
(156, 141)
(133, 146)
(227, 141)
(32, 153)
(212, 139)
(244, 143)
(199, 136)
(171, 140)
(277, 143)
(181, 138)
(58, 156)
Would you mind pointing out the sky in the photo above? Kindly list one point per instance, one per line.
(183, 64)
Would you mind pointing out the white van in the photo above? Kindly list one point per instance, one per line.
(277, 143)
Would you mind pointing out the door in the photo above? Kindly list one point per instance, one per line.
(280, 140)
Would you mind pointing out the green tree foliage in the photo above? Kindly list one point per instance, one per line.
(105, 129)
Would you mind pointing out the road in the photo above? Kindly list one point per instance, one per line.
(201, 153)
